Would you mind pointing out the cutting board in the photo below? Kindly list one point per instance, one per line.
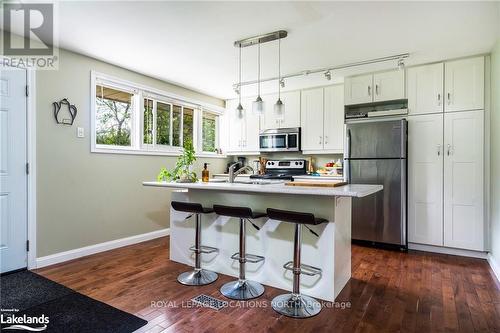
(316, 184)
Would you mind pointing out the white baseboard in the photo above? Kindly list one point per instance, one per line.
(92, 249)
(448, 250)
(494, 266)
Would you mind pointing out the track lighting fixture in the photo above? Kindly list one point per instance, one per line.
(328, 75)
(401, 64)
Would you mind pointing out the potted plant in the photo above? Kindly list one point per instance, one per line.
(182, 172)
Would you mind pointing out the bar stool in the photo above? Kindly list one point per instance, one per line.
(242, 288)
(197, 276)
(295, 304)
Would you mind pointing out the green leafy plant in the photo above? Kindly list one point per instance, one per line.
(182, 171)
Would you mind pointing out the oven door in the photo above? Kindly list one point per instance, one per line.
(273, 142)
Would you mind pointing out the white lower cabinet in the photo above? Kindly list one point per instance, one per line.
(446, 179)
(425, 179)
(463, 180)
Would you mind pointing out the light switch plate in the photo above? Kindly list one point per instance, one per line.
(80, 132)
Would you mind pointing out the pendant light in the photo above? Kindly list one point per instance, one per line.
(258, 104)
(279, 107)
(239, 108)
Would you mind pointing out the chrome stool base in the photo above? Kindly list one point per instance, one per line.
(296, 306)
(197, 277)
(241, 290)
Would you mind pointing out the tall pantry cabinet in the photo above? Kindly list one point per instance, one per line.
(446, 154)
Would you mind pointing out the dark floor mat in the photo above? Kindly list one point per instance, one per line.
(25, 289)
(66, 310)
(79, 313)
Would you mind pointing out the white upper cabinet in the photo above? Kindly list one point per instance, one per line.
(334, 118)
(425, 89)
(251, 129)
(425, 179)
(243, 134)
(389, 86)
(384, 86)
(291, 100)
(463, 180)
(358, 89)
(312, 119)
(322, 120)
(464, 84)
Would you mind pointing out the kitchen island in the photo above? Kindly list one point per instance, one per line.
(331, 251)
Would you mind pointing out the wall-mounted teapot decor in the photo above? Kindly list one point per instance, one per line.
(61, 115)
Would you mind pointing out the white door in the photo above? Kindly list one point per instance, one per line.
(425, 179)
(334, 119)
(464, 84)
(425, 89)
(463, 180)
(311, 118)
(358, 89)
(292, 109)
(389, 86)
(13, 179)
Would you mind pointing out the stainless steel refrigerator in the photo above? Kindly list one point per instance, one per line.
(376, 153)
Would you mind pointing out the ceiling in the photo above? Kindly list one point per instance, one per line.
(191, 43)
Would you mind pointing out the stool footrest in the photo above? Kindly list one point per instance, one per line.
(204, 249)
(304, 269)
(251, 258)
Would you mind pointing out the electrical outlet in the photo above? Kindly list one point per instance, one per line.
(80, 132)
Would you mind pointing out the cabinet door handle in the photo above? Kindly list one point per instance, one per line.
(449, 98)
(448, 151)
(439, 150)
(439, 99)
(320, 139)
(369, 90)
(376, 89)
(326, 140)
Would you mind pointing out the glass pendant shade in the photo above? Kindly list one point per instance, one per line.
(258, 106)
(239, 111)
(279, 110)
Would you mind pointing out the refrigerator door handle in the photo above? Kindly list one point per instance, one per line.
(404, 137)
(404, 203)
(347, 164)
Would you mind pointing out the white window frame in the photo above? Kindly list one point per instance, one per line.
(137, 119)
(217, 131)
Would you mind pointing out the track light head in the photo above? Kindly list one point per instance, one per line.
(401, 64)
(328, 75)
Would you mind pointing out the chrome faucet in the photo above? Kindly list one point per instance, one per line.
(233, 174)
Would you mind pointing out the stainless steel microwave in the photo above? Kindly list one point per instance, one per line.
(281, 139)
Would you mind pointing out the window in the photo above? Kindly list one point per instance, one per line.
(128, 118)
(209, 128)
(113, 116)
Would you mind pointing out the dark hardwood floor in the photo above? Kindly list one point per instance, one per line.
(388, 292)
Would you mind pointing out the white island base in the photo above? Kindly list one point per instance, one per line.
(331, 251)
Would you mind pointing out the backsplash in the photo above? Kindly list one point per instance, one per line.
(318, 160)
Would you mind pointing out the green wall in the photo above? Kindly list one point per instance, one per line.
(86, 198)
